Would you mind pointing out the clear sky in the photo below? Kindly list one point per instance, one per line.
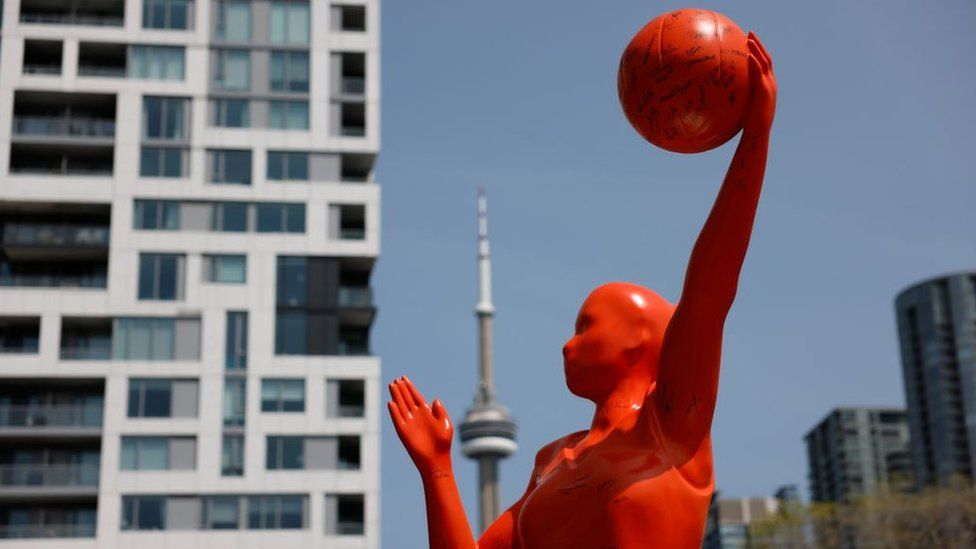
(870, 187)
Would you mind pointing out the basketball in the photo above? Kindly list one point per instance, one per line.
(683, 80)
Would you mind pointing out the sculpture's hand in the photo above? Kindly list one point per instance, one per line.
(762, 107)
(425, 431)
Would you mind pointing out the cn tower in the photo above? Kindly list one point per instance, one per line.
(488, 430)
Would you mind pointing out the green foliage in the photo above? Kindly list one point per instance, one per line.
(935, 518)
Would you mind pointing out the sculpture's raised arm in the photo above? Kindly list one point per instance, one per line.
(688, 370)
(426, 432)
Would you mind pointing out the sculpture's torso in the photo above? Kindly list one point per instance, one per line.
(624, 492)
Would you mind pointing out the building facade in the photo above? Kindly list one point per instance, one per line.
(937, 331)
(188, 226)
(729, 520)
(858, 452)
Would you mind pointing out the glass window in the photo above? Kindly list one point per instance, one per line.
(290, 333)
(145, 453)
(270, 218)
(144, 339)
(220, 513)
(230, 166)
(285, 453)
(163, 162)
(288, 115)
(289, 22)
(161, 276)
(233, 22)
(282, 395)
(287, 166)
(231, 113)
(234, 402)
(164, 118)
(277, 217)
(289, 71)
(143, 512)
(165, 14)
(232, 69)
(236, 351)
(229, 269)
(150, 397)
(292, 281)
(157, 215)
(230, 216)
(156, 62)
(295, 218)
(232, 456)
(275, 512)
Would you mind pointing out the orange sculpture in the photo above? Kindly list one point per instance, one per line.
(641, 476)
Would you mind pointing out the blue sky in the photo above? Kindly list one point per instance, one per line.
(869, 188)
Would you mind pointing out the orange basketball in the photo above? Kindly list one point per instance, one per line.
(684, 80)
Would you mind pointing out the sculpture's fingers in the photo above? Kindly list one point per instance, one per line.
(398, 399)
(438, 410)
(405, 397)
(394, 414)
(762, 47)
(758, 54)
(418, 399)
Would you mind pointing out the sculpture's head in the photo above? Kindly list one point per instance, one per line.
(618, 336)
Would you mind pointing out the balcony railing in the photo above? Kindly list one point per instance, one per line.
(82, 474)
(95, 280)
(102, 71)
(350, 528)
(64, 126)
(353, 85)
(352, 233)
(355, 296)
(97, 352)
(72, 19)
(41, 234)
(26, 531)
(349, 410)
(37, 68)
(51, 416)
(354, 131)
(353, 348)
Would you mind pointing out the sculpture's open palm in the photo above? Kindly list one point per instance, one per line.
(425, 431)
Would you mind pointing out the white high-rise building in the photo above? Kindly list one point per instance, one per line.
(188, 225)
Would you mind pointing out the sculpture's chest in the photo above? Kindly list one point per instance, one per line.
(614, 497)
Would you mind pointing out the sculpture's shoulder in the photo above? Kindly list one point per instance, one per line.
(547, 453)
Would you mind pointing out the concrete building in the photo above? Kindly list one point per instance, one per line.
(729, 520)
(858, 451)
(937, 330)
(188, 225)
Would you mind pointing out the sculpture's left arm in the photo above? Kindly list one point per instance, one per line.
(688, 370)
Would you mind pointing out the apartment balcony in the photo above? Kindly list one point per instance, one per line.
(81, 159)
(42, 57)
(33, 531)
(57, 126)
(101, 13)
(48, 475)
(355, 296)
(51, 416)
(353, 86)
(24, 241)
(102, 59)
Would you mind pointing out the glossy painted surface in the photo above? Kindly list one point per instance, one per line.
(641, 475)
(684, 80)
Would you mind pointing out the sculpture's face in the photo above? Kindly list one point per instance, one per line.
(618, 334)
